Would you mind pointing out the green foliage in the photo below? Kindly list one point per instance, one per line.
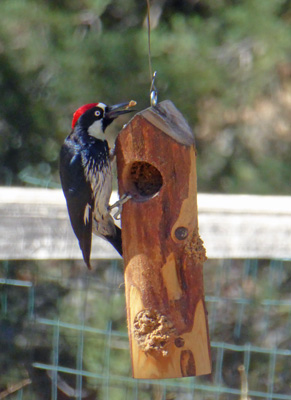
(57, 55)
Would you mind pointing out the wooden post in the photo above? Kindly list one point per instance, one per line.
(163, 253)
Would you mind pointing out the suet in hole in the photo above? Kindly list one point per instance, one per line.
(145, 180)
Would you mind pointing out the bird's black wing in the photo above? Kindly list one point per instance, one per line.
(78, 194)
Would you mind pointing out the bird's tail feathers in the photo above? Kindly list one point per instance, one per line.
(116, 240)
(86, 251)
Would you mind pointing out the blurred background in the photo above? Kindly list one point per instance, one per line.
(226, 65)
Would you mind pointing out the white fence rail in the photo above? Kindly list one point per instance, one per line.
(34, 224)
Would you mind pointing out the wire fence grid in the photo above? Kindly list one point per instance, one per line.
(63, 333)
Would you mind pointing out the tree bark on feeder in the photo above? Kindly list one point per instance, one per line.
(163, 253)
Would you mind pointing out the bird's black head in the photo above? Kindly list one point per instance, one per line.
(95, 117)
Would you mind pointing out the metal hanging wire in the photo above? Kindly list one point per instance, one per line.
(153, 89)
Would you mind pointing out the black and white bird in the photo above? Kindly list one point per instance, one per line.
(86, 175)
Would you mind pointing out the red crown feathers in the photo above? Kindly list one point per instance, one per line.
(80, 111)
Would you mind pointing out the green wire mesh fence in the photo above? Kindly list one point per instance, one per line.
(63, 333)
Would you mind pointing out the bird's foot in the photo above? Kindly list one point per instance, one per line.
(118, 204)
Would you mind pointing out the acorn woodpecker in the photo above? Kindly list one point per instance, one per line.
(86, 177)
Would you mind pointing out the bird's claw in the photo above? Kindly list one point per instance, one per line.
(118, 204)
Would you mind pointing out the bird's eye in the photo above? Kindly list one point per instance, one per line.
(97, 113)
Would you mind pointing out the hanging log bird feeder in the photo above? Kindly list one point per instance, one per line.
(163, 253)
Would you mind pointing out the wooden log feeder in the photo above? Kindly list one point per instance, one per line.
(163, 253)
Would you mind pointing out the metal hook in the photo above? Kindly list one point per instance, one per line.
(153, 91)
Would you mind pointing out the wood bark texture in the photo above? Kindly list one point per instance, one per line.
(163, 253)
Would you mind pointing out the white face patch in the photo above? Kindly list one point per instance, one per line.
(96, 130)
(102, 105)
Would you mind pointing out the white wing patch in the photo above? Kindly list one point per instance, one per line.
(87, 214)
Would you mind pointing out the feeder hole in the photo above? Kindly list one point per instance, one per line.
(144, 180)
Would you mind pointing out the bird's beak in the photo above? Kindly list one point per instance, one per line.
(113, 112)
